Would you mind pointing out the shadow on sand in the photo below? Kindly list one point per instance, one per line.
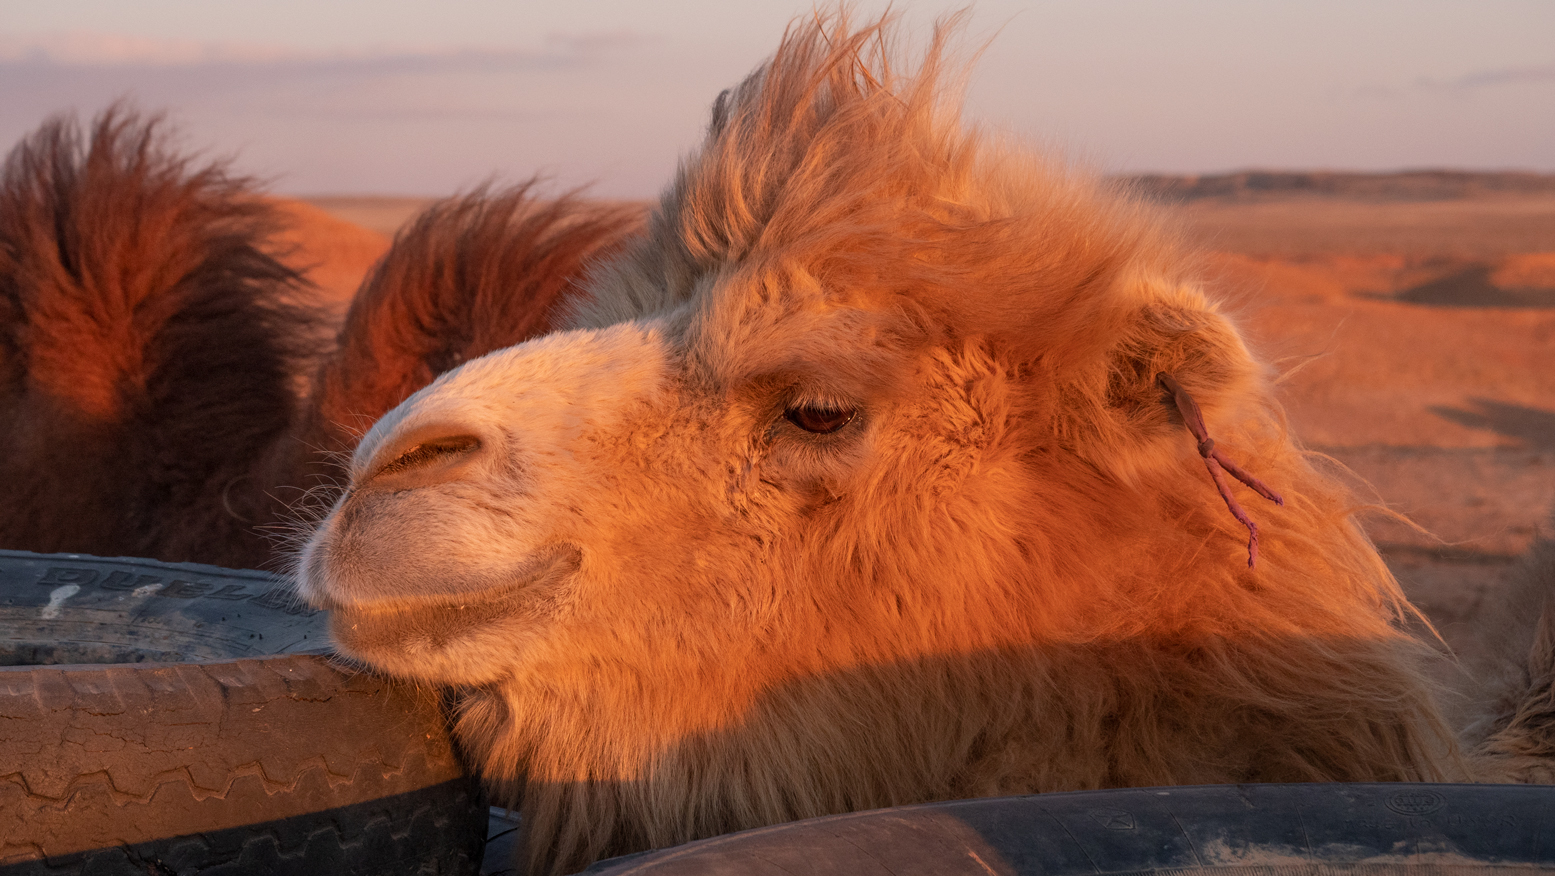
(1534, 427)
(1472, 286)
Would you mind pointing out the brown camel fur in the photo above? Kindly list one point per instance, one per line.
(854, 483)
(167, 393)
(851, 482)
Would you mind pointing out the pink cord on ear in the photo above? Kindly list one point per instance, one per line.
(1214, 460)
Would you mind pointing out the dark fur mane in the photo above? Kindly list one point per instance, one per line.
(169, 393)
(150, 334)
(471, 275)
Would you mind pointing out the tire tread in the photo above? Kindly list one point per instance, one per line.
(258, 762)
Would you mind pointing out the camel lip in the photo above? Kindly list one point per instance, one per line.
(546, 565)
(413, 637)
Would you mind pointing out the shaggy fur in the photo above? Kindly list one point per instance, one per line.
(1508, 694)
(471, 275)
(674, 610)
(149, 338)
(849, 482)
(158, 364)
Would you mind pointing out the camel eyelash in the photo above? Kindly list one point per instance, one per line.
(819, 418)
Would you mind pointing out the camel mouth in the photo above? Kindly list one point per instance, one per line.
(420, 625)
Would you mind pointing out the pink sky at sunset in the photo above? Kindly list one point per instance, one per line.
(406, 98)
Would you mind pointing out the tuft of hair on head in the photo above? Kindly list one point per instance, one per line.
(827, 126)
(150, 337)
(471, 275)
(811, 146)
(833, 156)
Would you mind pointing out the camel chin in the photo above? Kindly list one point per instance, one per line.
(451, 635)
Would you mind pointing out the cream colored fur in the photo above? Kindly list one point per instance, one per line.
(673, 612)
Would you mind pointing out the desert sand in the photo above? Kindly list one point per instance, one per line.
(1414, 328)
(1410, 317)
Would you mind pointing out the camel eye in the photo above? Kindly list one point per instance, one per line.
(819, 417)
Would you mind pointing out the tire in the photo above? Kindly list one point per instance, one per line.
(171, 718)
(1221, 829)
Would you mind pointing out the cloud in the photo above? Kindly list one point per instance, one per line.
(1493, 77)
(600, 42)
(424, 119)
(90, 49)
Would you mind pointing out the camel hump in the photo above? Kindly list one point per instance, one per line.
(149, 337)
(471, 275)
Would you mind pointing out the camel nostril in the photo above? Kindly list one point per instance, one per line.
(427, 452)
(424, 456)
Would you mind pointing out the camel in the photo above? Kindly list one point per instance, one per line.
(888, 465)
(171, 392)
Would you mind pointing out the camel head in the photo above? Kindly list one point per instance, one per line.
(865, 371)
(836, 483)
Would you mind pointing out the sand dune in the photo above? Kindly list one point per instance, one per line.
(335, 253)
(383, 215)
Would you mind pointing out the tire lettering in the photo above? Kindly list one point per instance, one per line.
(233, 592)
(284, 599)
(59, 575)
(128, 581)
(185, 589)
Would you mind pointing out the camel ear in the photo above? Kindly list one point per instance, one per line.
(1121, 417)
(1191, 342)
(715, 126)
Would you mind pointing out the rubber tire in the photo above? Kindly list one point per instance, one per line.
(1220, 829)
(175, 718)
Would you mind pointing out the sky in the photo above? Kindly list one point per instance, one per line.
(420, 98)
